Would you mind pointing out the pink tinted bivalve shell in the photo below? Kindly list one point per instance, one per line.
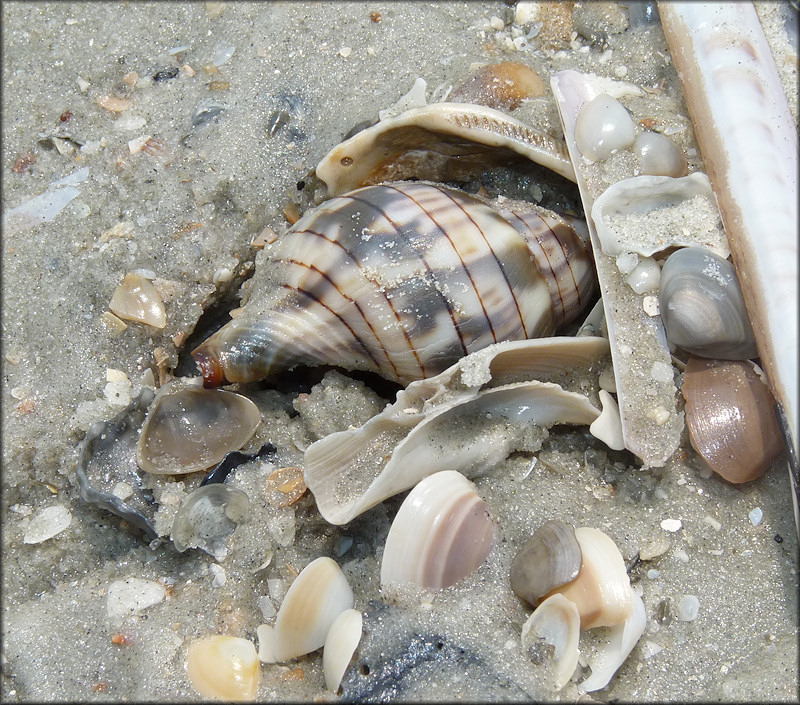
(731, 419)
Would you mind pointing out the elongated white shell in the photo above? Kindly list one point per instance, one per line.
(556, 622)
(314, 600)
(441, 534)
(399, 279)
(340, 644)
(437, 142)
(350, 471)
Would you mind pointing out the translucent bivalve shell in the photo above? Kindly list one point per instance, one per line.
(224, 668)
(193, 429)
(555, 622)
(730, 415)
(136, 299)
(441, 534)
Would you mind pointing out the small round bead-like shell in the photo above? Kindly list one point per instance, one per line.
(441, 534)
(224, 668)
(603, 128)
(659, 155)
(731, 418)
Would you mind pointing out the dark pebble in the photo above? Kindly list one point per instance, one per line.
(166, 74)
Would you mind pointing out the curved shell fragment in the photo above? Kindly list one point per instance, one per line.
(555, 622)
(351, 471)
(136, 299)
(340, 645)
(608, 426)
(437, 142)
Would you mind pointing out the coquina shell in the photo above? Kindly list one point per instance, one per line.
(401, 279)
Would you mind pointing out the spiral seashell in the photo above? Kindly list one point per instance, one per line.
(702, 306)
(401, 279)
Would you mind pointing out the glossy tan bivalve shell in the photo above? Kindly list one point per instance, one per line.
(401, 279)
(224, 668)
(441, 534)
(731, 418)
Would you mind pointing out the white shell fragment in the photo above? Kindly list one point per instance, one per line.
(48, 523)
(224, 668)
(441, 534)
(656, 198)
(688, 608)
(621, 640)
(602, 590)
(136, 299)
(555, 622)
(340, 645)
(659, 155)
(266, 643)
(193, 429)
(447, 138)
(207, 516)
(424, 430)
(315, 599)
(603, 128)
(132, 595)
(608, 426)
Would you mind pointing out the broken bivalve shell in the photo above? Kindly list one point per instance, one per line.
(224, 667)
(192, 429)
(603, 128)
(439, 142)
(730, 415)
(340, 645)
(136, 299)
(441, 534)
(549, 559)
(554, 625)
(207, 516)
(500, 86)
(602, 590)
(608, 426)
(659, 155)
(417, 435)
(314, 600)
(400, 279)
(702, 307)
(616, 647)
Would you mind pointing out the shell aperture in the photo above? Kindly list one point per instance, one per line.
(401, 279)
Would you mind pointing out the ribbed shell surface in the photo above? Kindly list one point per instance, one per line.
(401, 279)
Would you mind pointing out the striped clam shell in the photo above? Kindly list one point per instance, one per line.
(401, 279)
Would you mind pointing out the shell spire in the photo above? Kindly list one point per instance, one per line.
(401, 279)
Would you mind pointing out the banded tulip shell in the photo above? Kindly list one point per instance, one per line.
(224, 667)
(602, 590)
(702, 306)
(193, 429)
(401, 279)
(441, 534)
(731, 418)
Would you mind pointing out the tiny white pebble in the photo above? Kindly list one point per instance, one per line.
(681, 555)
(688, 608)
(653, 573)
(671, 525)
(650, 305)
(712, 522)
(219, 575)
(345, 51)
(496, 22)
(756, 516)
(621, 71)
(510, 644)
(650, 649)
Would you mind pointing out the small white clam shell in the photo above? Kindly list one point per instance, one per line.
(136, 299)
(315, 599)
(224, 668)
(556, 622)
(441, 534)
(193, 429)
(603, 127)
(655, 196)
(659, 155)
(602, 590)
(620, 642)
(381, 153)
(340, 645)
(413, 438)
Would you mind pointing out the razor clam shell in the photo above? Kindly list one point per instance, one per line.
(107, 458)
(651, 422)
(439, 142)
(351, 471)
(730, 80)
